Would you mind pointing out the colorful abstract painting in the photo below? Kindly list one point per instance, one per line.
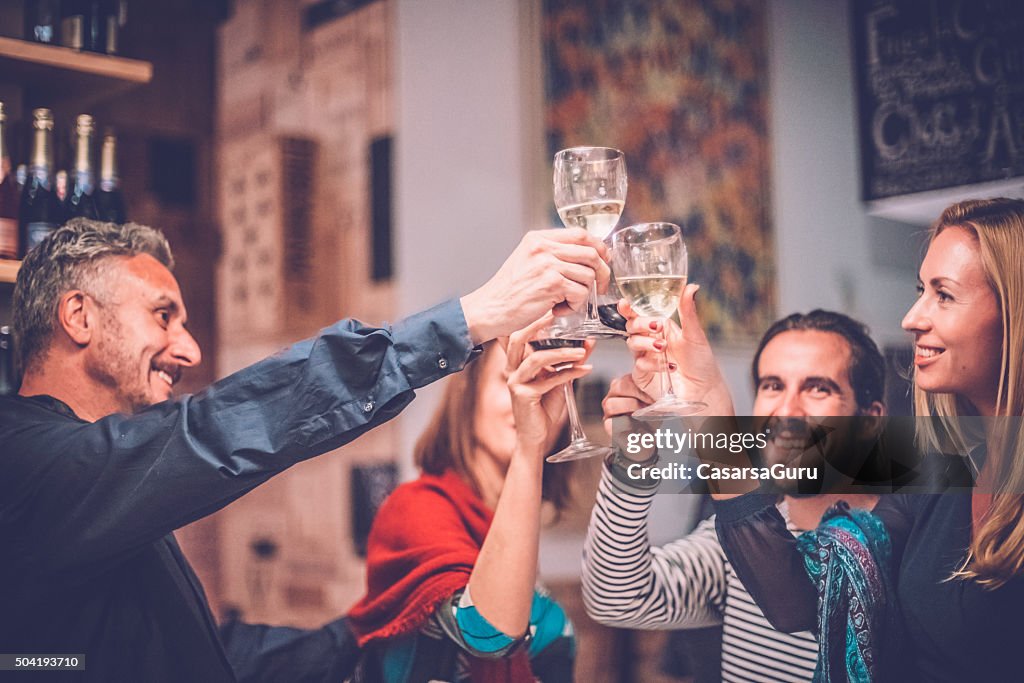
(681, 87)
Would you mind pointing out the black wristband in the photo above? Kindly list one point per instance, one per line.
(619, 466)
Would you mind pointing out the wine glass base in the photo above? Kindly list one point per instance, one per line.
(592, 329)
(675, 407)
(579, 450)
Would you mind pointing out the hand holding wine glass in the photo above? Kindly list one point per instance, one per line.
(548, 337)
(590, 193)
(692, 363)
(549, 270)
(650, 265)
(534, 377)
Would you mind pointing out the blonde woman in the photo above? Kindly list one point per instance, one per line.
(957, 559)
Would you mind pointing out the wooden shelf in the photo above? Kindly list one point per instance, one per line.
(9, 270)
(51, 72)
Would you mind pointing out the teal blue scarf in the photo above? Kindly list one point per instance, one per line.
(849, 558)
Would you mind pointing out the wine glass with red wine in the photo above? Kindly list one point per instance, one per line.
(579, 445)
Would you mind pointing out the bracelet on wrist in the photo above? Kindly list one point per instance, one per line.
(620, 465)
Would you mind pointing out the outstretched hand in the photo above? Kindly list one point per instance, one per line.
(549, 270)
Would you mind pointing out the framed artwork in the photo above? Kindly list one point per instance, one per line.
(371, 485)
(680, 86)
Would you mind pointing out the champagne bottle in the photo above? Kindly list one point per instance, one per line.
(113, 14)
(74, 19)
(91, 25)
(8, 197)
(95, 29)
(80, 201)
(8, 382)
(42, 18)
(109, 202)
(40, 212)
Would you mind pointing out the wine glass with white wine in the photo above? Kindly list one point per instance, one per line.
(590, 193)
(649, 262)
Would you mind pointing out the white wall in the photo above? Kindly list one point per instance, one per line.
(829, 252)
(459, 149)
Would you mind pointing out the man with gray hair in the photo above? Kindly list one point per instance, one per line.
(98, 466)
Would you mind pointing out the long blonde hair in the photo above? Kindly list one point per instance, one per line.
(996, 553)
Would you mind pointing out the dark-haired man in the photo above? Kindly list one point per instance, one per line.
(98, 467)
(806, 365)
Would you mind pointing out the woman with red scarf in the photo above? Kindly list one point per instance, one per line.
(452, 556)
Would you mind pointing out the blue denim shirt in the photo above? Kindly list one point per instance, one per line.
(86, 509)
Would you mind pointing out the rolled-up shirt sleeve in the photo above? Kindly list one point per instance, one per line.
(81, 495)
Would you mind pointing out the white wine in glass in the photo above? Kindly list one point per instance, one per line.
(590, 193)
(597, 218)
(656, 296)
(650, 265)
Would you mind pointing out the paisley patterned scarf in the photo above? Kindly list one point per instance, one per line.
(849, 559)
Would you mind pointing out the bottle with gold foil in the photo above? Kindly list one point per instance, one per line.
(74, 23)
(39, 213)
(8, 196)
(109, 202)
(82, 183)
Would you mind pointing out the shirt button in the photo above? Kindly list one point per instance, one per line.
(368, 406)
(442, 363)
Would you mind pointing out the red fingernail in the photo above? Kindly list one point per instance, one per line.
(659, 344)
(672, 367)
(654, 325)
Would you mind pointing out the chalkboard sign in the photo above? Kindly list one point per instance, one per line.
(941, 93)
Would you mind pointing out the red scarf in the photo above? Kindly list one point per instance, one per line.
(422, 548)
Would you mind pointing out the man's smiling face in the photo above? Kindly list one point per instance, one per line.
(142, 343)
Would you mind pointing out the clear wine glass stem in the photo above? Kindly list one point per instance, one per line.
(592, 303)
(575, 427)
(666, 376)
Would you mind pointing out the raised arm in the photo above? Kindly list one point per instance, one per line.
(79, 495)
(503, 579)
(549, 270)
(625, 581)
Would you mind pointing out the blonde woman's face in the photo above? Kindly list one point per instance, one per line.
(956, 322)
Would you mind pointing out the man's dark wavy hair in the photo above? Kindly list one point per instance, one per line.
(867, 366)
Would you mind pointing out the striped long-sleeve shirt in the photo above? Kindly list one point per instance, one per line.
(688, 583)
